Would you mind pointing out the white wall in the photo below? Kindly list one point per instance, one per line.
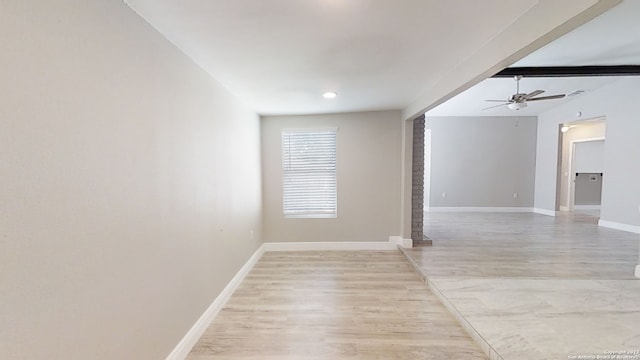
(482, 161)
(620, 193)
(589, 157)
(427, 169)
(129, 183)
(369, 171)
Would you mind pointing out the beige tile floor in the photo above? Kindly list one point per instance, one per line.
(334, 305)
(528, 286)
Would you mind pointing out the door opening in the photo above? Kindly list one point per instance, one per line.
(581, 166)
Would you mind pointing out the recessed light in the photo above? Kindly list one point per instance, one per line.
(329, 95)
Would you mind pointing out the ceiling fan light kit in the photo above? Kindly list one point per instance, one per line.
(519, 100)
(517, 105)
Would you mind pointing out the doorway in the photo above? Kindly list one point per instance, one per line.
(581, 166)
(587, 168)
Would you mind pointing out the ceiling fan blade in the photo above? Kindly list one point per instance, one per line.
(551, 97)
(495, 106)
(496, 100)
(533, 93)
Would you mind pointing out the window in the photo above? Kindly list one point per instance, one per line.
(309, 181)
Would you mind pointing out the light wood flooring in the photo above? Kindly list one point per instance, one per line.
(334, 305)
(480, 245)
(528, 286)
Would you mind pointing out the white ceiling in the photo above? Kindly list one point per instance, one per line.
(279, 56)
(610, 39)
(472, 102)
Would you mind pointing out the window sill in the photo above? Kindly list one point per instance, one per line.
(312, 216)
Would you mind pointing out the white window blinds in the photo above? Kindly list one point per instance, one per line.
(309, 173)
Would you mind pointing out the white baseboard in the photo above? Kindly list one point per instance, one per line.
(328, 246)
(480, 209)
(587, 207)
(399, 241)
(183, 348)
(564, 208)
(185, 345)
(638, 271)
(544, 212)
(619, 226)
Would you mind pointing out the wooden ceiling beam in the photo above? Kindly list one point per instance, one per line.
(570, 71)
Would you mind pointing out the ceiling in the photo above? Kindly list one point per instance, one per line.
(279, 56)
(472, 102)
(613, 38)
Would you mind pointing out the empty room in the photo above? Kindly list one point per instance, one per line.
(319, 179)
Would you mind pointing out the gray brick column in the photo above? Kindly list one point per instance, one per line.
(417, 181)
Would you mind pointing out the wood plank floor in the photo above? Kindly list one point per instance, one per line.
(480, 245)
(535, 287)
(334, 305)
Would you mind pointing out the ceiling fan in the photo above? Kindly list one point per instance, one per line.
(519, 100)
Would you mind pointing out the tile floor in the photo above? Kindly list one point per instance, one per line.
(527, 286)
